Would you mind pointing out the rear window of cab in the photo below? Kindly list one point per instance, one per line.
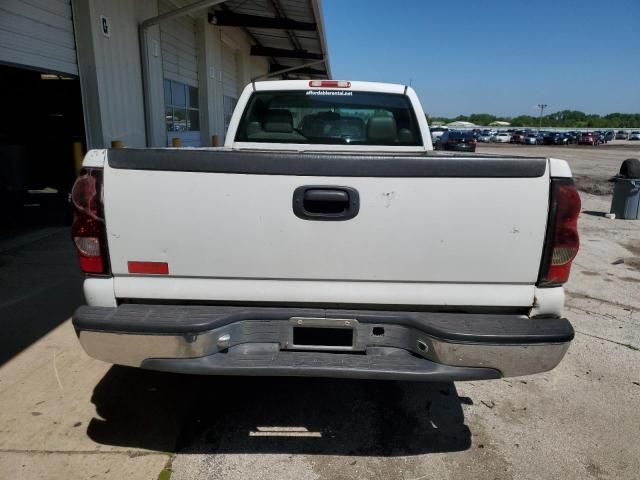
(329, 117)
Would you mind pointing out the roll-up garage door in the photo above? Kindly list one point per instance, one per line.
(180, 71)
(230, 78)
(38, 34)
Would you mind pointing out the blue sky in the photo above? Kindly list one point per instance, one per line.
(501, 57)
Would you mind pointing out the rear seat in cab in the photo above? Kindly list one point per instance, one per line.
(383, 129)
(278, 125)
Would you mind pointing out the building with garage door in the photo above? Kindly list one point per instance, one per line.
(82, 74)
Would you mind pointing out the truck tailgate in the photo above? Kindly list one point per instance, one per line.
(426, 220)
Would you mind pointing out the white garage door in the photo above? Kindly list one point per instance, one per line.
(38, 34)
(180, 71)
(230, 79)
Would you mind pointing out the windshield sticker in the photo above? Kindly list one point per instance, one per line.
(329, 92)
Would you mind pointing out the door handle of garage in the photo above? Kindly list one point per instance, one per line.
(323, 202)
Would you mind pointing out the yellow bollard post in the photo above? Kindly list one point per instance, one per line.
(77, 157)
(215, 141)
(117, 144)
(176, 142)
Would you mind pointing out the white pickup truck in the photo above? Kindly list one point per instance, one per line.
(325, 238)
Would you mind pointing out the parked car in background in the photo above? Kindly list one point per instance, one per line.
(622, 135)
(517, 136)
(458, 141)
(436, 133)
(634, 136)
(588, 138)
(609, 135)
(572, 137)
(549, 138)
(501, 137)
(561, 138)
(485, 136)
(530, 139)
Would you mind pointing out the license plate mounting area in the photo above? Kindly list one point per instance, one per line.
(330, 334)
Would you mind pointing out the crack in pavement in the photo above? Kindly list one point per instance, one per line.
(627, 320)
(627, 345)
(129, 453)
(584, 296)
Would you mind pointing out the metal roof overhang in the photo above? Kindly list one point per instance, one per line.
(289, 33)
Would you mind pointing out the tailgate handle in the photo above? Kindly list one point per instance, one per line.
(333, 196)
(322, 202)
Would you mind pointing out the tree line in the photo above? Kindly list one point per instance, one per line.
(564, 118)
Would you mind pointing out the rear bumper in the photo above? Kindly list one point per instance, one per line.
(223, 340)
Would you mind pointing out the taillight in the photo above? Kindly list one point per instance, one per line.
(88, 230)
(562, 242)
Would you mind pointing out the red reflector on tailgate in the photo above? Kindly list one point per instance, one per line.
(151, 268)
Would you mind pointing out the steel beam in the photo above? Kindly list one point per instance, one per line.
(257, 51)
(230, 19)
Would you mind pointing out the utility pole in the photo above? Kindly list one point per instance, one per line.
(541, 106)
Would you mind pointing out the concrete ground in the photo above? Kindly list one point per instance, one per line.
(64, 415)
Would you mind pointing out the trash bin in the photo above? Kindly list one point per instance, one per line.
(626, 198)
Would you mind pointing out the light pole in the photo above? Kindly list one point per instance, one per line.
(541, 106)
